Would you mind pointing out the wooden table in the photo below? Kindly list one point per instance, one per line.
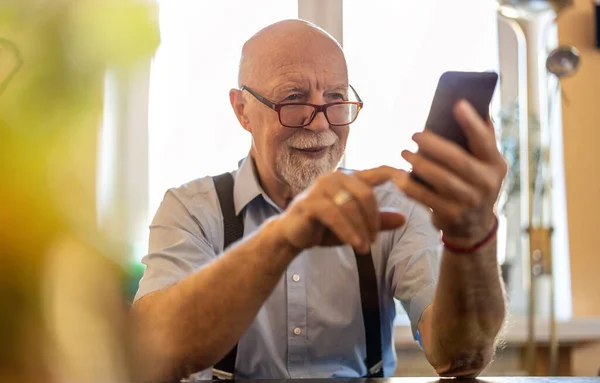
(430, 380)
(578, 354)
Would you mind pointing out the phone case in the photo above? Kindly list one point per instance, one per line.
(475, 87)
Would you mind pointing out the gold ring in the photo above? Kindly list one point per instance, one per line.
(342, 197)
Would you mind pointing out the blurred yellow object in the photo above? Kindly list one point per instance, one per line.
(62, 313)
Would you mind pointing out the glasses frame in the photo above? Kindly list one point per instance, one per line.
(317, 108)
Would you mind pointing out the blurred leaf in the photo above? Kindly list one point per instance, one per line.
(112, 31)
(50, 113)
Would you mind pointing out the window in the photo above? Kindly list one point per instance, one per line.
(395, 63)
(192, 130)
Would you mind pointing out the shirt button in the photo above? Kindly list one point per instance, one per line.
(295, 277)
(297, 331)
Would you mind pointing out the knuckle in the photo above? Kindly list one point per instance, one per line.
(302, 207)
(332, 216)
(490, 186)
(498, 184)
(478, 199)
(447, 185)
(474, 199)
(416, 160)
(503, 167)
(454, 212)
(366, 195)
(338, 176)
(352, 208)
(465, 165)
(360, 173)
(437, 221)
(322, 181)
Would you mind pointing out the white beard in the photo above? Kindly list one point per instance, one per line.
(300, 172)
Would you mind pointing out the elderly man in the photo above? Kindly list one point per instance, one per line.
(308, 291)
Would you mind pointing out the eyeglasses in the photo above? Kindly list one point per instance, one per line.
(300, 114)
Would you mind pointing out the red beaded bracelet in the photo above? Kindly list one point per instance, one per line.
(475, 247)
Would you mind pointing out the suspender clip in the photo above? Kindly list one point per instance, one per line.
(222, 375)
(376, 368)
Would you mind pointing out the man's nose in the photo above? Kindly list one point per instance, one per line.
(319, 123)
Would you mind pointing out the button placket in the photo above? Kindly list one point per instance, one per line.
(297, 318)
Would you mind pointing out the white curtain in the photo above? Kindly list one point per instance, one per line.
(397, 50)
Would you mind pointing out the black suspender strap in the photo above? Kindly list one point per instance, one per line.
(233, 227)
(233, 224)
(369, 300)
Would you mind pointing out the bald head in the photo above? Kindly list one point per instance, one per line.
(291, 62)
(284, 43)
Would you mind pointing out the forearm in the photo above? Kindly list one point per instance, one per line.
(197, 321)
(468, 311)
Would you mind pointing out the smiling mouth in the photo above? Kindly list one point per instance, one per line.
(312, 150)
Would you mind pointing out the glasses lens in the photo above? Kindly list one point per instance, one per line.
(296, 115)
(342, 114)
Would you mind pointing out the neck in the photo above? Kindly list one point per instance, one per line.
(278, 191)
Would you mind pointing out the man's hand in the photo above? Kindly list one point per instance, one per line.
(460, 327)
(339, 209)
(466, 185)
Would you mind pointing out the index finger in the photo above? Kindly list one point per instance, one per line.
(379, 175)
(482, 140)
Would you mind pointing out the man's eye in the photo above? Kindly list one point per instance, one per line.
(337, 96)
(293, 97)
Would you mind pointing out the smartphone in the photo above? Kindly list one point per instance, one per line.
(475, 87)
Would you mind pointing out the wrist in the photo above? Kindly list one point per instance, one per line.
(477, 238)
(277, 241)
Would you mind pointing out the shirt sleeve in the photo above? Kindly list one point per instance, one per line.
(413, 263)
(178, 245)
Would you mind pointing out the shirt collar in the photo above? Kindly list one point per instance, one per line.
(246, 187)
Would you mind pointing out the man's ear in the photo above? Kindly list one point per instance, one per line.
(236, 100)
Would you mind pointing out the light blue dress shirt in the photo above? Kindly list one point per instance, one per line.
(311, 326)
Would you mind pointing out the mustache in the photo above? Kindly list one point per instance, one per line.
(306, 140)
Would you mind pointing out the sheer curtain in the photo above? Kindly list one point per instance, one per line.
(396, 61)
(192, 129)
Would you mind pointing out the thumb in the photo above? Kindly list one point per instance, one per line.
(390, 220)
